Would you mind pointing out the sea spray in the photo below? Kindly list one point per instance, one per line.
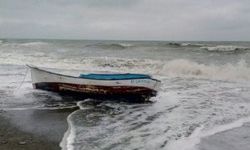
(174, 68)
(225, 48)
(186, 68)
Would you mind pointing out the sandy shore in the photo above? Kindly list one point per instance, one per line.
(44, 130)
(233, 139)
(32, 129)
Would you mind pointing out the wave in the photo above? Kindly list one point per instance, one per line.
(181, 68)
(38, 108)
(174, 68)
(138, 120)
(3, 41)
(225, 48)
(193, 44)
(69, 135)
(111, 45)
(177, 44)
(28, 44)
(126, 44)
(188, 68)
(37, 54)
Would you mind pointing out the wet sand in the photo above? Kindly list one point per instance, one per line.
(32, 129)
(234, 139)
(44, 129)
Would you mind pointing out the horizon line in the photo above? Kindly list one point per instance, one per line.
(132, 40)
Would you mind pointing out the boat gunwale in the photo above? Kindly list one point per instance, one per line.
(37, 68)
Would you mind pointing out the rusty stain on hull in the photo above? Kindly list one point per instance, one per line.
(141, 93)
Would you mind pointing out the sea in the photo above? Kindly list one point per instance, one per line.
(205, 89)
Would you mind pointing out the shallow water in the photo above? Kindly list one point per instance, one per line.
(204, 85)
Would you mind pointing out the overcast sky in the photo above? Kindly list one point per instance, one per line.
(126, 19)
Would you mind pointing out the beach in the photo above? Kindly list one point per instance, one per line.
(124, 75)
(204, 85)
(32, 129)
(20, 130)
(234, 139)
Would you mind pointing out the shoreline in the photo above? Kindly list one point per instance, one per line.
(231, 139)
(64, 144)
(24, 130)
(33, 129)
(222, 137)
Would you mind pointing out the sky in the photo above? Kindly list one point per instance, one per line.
(202, 20)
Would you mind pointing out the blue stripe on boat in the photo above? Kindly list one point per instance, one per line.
(114, 76)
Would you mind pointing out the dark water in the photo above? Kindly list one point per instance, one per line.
(204, 85)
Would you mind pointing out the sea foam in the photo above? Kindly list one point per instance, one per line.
(225, 48)
(171, 68)
(110, 45)
(184, 44)
(23, 45)
(34, 44)
(191, 142)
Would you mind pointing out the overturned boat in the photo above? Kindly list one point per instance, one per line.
(132, 87)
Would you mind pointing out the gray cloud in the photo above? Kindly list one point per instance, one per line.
(126, 19)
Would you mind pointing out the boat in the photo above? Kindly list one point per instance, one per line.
(132, 87)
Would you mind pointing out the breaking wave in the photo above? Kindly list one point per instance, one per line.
(110, 45)
(28, 44)
(34, 44)
(238, 71)
(172, 68)
(225, 48)
(3, 41)
(176, 44)
(158, 125)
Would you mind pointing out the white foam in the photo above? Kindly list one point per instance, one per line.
(191, 142)
(37, 54)
(183, 67)
(192, 44)
(30, 44)
(224, 48)
(179, 120)
(79, 104)
(174, 68)
(63, 143)
(37, 108)
(69, 136)
(126, 44)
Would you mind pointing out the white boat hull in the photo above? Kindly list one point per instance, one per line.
(45, 80)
